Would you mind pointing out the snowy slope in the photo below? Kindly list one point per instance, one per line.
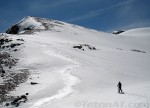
(84, 78)
(138, 32)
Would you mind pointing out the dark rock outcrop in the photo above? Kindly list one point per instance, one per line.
(34, 83)
(118, 32)
(13, 30)
(83, 46)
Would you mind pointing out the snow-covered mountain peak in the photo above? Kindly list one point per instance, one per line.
(34, 23)
(30, 24)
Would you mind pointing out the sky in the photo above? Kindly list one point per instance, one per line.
(102, 15)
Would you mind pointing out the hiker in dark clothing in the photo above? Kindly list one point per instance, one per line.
(119, 87)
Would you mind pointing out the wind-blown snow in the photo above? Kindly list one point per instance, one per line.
(73, 78)
(29, 22)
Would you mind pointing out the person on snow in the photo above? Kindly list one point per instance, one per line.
(119, 87)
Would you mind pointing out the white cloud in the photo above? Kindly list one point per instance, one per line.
(98, 12)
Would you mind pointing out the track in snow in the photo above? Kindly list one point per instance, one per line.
(69, 81)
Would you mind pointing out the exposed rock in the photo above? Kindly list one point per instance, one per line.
(83, 46)
(11, 82)
(118, 32)
(14, 44)
(135, 50)
(16, 102)
(13, 30)
(33, 83)
(4, 40)
(20, 39)
(79, 47)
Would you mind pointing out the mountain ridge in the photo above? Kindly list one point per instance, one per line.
(37, 24)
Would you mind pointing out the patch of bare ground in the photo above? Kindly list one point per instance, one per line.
(11, 81)
(10, 77)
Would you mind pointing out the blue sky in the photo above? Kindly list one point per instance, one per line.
(103, 15)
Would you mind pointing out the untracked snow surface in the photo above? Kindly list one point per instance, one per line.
(71, 77)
